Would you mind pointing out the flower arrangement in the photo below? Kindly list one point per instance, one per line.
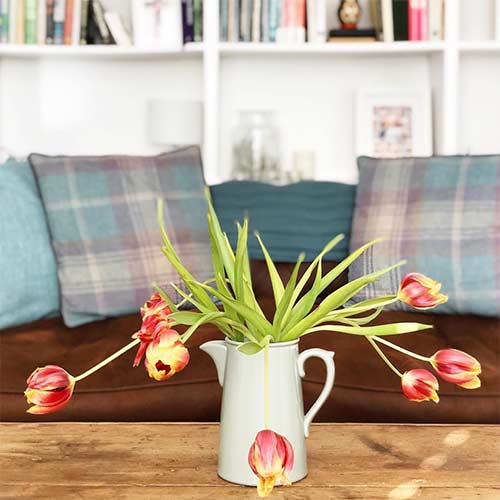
(238, 315)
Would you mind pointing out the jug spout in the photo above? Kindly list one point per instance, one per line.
(217, 350)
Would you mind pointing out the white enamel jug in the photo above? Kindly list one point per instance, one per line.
(242, 414)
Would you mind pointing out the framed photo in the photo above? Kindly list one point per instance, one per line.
(393, 123)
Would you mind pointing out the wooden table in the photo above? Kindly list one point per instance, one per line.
(178, 461)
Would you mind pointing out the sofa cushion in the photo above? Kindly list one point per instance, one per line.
(102, 217)
(29, 288)
(441, 214)
(291, 219)
(365, 389)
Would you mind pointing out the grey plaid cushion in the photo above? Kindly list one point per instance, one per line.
(102, 218)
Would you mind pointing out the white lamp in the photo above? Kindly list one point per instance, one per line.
(175, 123)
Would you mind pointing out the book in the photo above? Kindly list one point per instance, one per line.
(4, 21)
(316, 21)
(84, 19)
(117, 29)
(265, 21)
(12, 21)
(49, 22)
(376, 15)
(417, 20)
(59, 17)
(400, 19)
(19, 21)
(77, 22)
(30, 12)
(245, 20)
(256, 14)
(292, 27)
(102, 27)
(223, 19)
(198, 20)
(233, 21)
(41, 25)
(436, 15)
(188, 21)
(158, 26)
(274, 18)
(68, 22)
(387, 21)
(352, 39)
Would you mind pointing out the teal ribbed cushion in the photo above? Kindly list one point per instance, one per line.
(291, 219)
(29, 289)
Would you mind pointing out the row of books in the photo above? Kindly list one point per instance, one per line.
(415, 20)
(286, 21)
(143, 23)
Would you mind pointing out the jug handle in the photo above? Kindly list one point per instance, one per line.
(327, 357)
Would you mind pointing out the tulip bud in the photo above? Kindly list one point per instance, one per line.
(49, 389)
(421, 292)
(166, 354)
(457, 367)
(420, 385)
(270, 457)
(154, 314)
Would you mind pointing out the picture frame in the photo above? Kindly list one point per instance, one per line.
(393, 123)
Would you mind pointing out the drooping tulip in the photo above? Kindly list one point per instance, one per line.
(166, 354)
(420, 385)
(421, 292)
(457, 367)
(49, 389)
(154, 314)
(270, 457)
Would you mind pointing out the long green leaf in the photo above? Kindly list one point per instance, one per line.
(277, 284)
(204, 319)
(391, 329)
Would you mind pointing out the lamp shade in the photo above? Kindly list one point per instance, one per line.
(175, 123)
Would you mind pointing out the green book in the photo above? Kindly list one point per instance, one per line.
(30, 16)
(198, 20)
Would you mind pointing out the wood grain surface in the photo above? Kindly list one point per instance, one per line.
(178, 461)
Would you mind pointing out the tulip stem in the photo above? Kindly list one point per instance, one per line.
(117, 354)
(401, 349)
(266, 386)
(383, 356)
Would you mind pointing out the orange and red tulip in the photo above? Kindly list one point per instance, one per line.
(49, 389)
(420, 385)
(457, 367)
(421, 292)
(166, 354)
(270, 457)
(154, 314)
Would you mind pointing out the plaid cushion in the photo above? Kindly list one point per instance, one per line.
(442, 214)
(102, 218)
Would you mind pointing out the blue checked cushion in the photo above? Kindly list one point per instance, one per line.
(441, 214)
(102, 218)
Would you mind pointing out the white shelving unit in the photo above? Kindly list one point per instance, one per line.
(92, 99)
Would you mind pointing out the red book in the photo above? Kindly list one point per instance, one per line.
(68, 22)
(417, 20)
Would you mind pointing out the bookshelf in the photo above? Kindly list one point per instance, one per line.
(311, 88)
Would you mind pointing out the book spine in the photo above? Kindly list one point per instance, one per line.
(265, 21)
(198, 20)
(417, 20)
(436, 8)
(223, 19)
(299, 32)
(256, 12)
(497, 21)
(12, 21)
(400, 19)
(59, 16)
(19, 21)
(102, 27)
(68, 22)
(187, 21)
(246, 20)
(233, 30)
(77, 12)
(41, 26)
(274, 18)
(387, 21)
(84, 19)
(4, 14)
(117, 29)
(49, 22)
(30, 12)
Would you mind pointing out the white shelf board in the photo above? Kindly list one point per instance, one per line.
(235, 48)
(95, 51)
(480, 47)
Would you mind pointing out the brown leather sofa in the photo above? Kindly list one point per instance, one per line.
(365, 389)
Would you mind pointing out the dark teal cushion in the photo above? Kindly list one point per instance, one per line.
(291, 219)
(29, 289)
